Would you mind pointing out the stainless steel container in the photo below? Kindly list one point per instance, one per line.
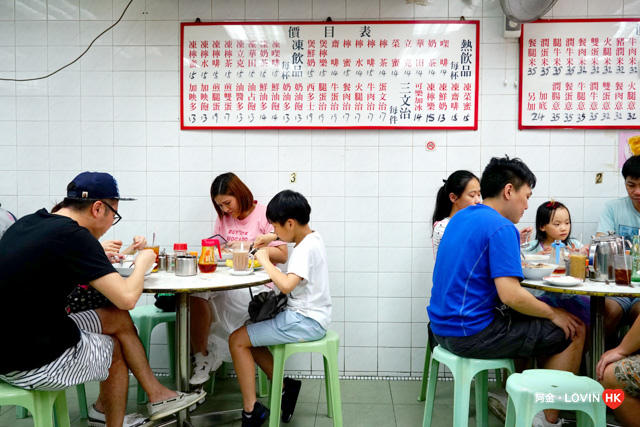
(186, 265)
(171, 263)
(162, 262)
(601, 252)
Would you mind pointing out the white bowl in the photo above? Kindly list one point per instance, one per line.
(537, 273)
(533, 258)
(126, 270)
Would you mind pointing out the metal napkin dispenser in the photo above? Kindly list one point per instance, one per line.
(601, 252)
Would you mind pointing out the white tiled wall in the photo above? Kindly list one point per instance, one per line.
(372, 192)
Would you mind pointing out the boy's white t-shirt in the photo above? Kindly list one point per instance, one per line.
(311, 298)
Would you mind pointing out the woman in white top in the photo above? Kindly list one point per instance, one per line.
(460, 190)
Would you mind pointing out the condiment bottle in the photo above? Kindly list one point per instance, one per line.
(635, 266)
(207, 262)
(180, 249)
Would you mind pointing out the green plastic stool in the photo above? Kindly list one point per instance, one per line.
(22, 412)
(526, 389)
(147, 317)
(42, 404)
(328, 347)
(464, 370)
(425, 374)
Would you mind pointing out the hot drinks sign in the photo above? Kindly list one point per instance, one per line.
(351, 75)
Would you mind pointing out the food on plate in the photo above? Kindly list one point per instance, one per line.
(538, 265)
(634, 144)
(256, 264)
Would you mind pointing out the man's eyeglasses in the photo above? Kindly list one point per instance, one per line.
(116, 215)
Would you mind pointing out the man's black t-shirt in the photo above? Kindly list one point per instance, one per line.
(43, 257)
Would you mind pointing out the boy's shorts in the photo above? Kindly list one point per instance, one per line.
(287, 327)
(625, 302)
(510, 335)
(88, 360)
(627, 372)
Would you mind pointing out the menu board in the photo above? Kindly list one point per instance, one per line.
(349, 75)
(579, 74)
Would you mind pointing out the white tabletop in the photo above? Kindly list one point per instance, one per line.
(588, 287)
(220, 280)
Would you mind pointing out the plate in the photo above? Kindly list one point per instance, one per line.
(562, 281)
(239, 273)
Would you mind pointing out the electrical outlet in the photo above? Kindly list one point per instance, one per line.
(292, 177)
(599, 178)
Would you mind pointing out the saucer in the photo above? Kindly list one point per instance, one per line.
(562, 280)
(239, 273)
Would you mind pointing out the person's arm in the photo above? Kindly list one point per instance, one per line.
(125, 293)
(278, 254)
(263, 240)
(515, 296)
(629, 345)
(285, 282)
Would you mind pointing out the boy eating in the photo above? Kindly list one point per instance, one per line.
(308, 312)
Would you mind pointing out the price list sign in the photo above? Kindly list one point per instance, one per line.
(349, 75)
(579, 74)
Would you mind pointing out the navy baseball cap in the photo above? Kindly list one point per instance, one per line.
(94, 186)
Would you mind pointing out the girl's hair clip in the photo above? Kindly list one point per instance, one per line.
(552, 204)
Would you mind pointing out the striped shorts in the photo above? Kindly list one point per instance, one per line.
(88, 360)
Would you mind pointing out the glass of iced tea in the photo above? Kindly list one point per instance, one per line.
(622, 268)
(155, 249)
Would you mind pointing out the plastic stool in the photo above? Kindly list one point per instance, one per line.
(425, 374)
(328, 347)
(147, 317)
(463, 370)
(526, 389)
(42, 404)
(22, 412)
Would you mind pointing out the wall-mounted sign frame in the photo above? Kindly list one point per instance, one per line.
(340, 75)
(579, 73)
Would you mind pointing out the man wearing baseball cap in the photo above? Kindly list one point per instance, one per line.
(47, 255)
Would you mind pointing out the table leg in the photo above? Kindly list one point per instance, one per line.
(182, 361)
(597, 332)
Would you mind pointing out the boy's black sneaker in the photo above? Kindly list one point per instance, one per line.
(289, 398)
(257, 417)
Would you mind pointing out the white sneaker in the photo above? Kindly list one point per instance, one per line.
(97, 419)
(540, 421)
(170, 406)
(203, 366)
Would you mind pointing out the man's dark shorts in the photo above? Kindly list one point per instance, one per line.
(510, 335)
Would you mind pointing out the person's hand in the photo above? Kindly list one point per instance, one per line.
(263, 240)
(114, 257)
(111, 245)
(139, 242)
(545, 251)
(145, 259)
(566, 321)
(608, 357)
(525, 235)
(262, 256)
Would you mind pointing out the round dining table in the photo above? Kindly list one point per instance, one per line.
(218, 281)
(597, 291)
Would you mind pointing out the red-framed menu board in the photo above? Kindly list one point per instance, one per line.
(579, 74)
(349, 75)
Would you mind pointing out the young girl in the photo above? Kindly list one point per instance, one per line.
(460, 190)
(240, 219)
(553, 222)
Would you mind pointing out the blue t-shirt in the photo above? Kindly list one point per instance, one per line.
(478, 246)
(621, 216)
